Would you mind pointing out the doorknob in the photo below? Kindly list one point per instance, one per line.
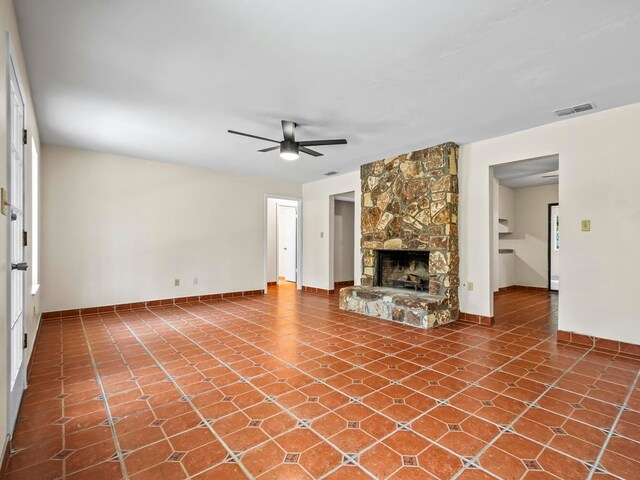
(19, 266)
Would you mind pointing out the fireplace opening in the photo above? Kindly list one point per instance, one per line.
(403, 269)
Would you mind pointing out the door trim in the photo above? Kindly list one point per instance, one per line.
(12, 65)
(549, 209)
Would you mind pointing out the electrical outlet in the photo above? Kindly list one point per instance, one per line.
(321, 234)
(586, 225)
(176, 282)
(470, 286)
(195, 280)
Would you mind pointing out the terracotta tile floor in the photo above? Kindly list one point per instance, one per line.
(286, 386)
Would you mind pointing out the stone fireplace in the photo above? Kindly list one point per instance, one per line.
(409, 239)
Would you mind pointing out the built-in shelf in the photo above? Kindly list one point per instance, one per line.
(503, 226)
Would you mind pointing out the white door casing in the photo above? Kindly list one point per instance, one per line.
(16, 265)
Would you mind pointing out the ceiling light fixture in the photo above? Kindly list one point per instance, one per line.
(289, 151)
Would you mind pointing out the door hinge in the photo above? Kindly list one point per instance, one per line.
(25, 238)
(25, 341)
(24, 136)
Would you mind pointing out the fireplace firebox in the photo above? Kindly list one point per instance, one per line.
(403, 269)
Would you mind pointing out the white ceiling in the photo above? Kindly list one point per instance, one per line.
(528, 173)
(164, 79)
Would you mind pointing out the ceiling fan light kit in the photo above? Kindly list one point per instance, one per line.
(289, 148)
(289, 151)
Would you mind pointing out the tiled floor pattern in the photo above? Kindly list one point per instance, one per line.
(287, 386)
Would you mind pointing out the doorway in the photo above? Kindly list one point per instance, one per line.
(553, 246)
(17, 273)
(283, 235)
(521, 194)
(343, 240)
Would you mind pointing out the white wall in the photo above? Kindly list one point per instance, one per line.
(119, 229)
(32, 306)
(343, 241)
(317, 228)
(599, 171)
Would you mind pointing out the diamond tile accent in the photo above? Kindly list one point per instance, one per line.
(63, 420)
(454, 427)
(227, 399)
(176, 456)
(403, 426)
(304, 423)
(409, 461)
(291, 458)
(62, 454)
(158, 422)
(531, 465)
(255, 423)
(558, 431)
(353, 424)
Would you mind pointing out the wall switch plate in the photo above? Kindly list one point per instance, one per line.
(176, 282)
(195, 280)
(4, 201)
(586, 225)
(321, 234)
(470, 286)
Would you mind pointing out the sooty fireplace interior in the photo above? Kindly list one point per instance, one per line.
(403, 269)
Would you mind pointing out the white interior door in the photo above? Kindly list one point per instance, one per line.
(287, 244)
(17, 265)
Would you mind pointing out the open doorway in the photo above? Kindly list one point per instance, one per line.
(343, 239)
(523, 254)
(282, 241)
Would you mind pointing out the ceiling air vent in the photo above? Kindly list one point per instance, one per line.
(328, 174)
(584, 107)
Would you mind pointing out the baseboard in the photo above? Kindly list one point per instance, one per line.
(272, 284)
(513, 288)
(598, 343)
(6, 451)
(476, 319)
(320, 291)
(346, 283)
(149, 303)
(35, 342)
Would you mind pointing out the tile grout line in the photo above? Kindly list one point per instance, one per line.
(613, 427)
(185, 396)
(476, 458)
(104, 400)
(378, 441)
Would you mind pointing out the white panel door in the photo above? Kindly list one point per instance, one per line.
(287, 244)
(17, 265)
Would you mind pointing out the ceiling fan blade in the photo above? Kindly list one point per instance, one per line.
(252, 136)
(269, 149)
(288, 131)
(311, 143)
(308, 151)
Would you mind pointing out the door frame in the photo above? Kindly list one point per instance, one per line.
(12, 65)
(265, 254)
(549, 209)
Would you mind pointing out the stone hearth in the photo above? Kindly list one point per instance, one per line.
(410, 203)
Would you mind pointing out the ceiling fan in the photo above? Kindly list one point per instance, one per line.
(289, 148)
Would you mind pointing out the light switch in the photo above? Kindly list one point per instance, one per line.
(586, 225)
(470, 286)
(321, 234)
